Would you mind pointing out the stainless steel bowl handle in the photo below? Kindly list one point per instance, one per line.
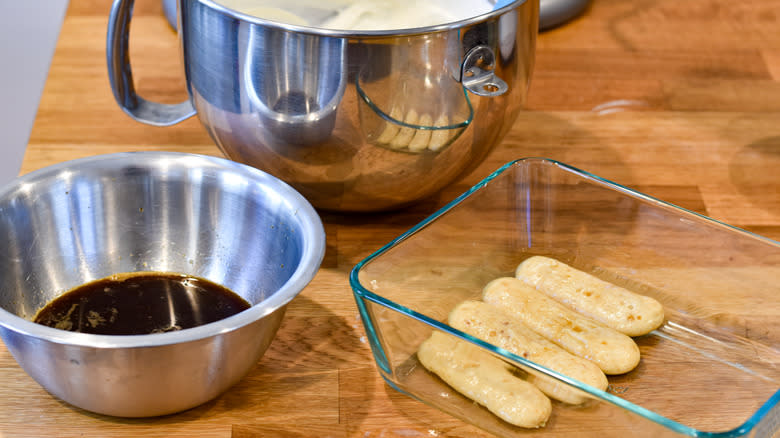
(120, 74)
(477, 73)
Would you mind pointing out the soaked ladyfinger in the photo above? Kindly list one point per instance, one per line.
(494, 325)
(625, 311)
(485, 379)
(612, 351)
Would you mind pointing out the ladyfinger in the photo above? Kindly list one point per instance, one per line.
(625, 311)
(485, 379)
(612, 351)
(494, 325)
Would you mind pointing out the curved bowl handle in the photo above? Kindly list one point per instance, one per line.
(121, 76)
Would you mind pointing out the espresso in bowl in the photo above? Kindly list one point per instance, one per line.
(141, 303)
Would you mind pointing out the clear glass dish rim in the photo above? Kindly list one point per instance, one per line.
(361, 292)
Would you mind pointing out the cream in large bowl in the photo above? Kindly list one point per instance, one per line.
(371, 15)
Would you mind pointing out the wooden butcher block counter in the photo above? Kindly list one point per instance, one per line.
(678, 99)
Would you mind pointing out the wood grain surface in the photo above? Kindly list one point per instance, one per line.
(679, 99)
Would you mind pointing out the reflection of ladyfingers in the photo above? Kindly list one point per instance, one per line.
(440, 137)
(609, 304)
(406, 133)
(612, 351)
(485, 379)
(492, 324)
(396, 136)
(390, 130)
(423, 136)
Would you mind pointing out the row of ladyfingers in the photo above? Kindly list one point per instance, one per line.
(551, 314)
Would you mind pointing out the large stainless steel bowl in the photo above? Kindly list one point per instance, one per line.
(311, 105)
(87, 219)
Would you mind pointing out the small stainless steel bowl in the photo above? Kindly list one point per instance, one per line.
(150, 211)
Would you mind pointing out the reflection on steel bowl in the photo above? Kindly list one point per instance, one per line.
(207, 217)
(292, 100)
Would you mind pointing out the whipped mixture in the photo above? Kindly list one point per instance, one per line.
(361, 14)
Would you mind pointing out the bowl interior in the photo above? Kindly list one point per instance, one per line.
(73, 223)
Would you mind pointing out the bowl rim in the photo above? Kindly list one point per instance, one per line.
(360, 293)
(312, 252)
(343, 33)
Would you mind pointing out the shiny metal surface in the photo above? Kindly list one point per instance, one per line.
(284, 98)
(148, 211)
(477, 73)
(169, 10)
(553, 13)
(121, 77)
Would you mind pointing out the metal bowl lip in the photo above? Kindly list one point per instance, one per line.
(341, 33)
(311, 257)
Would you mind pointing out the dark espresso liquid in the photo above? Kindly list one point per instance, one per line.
(140, 303)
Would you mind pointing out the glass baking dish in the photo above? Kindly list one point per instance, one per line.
(712, 369)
